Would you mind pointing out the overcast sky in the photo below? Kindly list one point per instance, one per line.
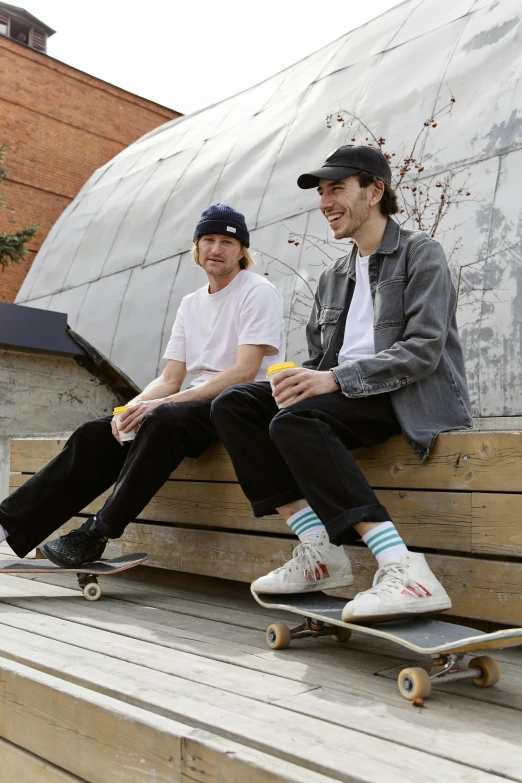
(187, 55)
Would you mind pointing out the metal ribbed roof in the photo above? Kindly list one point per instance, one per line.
(118, 262)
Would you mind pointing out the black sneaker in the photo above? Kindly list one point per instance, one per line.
(84, 545)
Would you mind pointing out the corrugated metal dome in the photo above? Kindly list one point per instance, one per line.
(118, 258)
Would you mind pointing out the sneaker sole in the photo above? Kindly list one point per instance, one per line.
(377, 616)
(311, 587)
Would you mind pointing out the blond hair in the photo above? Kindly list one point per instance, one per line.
(245, 262)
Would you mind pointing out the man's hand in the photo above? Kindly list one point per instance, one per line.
(302, 383)
(115, 431)
(131, 418)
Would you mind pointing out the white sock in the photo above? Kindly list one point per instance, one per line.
(3, 534)
(306, 524)
(385, 543)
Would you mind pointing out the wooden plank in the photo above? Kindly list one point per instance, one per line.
(106, 739)
(258, 685)
(487, 461)
(430, 732)
(497, 524)
(321, 746)
(28, 455)
(422, 518)
(143, 622)
(483, 589)
(18, 764)
(212, 759)
(426, 518)
(479, 461)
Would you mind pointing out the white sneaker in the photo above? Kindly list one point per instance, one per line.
(401, 587)
(316, 564)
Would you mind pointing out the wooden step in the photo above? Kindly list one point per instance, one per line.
(479, 461)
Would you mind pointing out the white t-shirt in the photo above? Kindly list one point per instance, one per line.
(209, 328)
(358, 340)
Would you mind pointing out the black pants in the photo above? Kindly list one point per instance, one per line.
(303, 451)
(92, 460)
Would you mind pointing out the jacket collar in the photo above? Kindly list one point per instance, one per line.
(389, 244)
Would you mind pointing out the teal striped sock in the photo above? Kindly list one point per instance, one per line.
(306, 524)
(385, 543)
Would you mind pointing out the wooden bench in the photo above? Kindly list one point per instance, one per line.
(463, 506)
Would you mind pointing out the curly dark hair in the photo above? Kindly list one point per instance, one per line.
(388, 203)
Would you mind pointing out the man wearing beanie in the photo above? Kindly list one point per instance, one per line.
(225, 333)
(385, 358)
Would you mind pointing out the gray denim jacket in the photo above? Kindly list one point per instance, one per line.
(418, 354)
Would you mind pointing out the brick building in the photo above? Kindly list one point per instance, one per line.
(61, 125)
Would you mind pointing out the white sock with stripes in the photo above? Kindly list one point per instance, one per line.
(306, 524)
(385, 543)
(3, 534)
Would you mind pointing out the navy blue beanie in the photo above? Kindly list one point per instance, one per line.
(222, 219)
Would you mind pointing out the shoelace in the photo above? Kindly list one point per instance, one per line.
(388, 579)
(82, 535)
(304, 558)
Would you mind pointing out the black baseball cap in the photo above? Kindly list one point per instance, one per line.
(347, 161)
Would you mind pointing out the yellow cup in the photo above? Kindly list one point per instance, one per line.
(124, 436)
(274, 370)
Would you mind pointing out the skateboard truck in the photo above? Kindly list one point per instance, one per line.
(416, 682)
(89, 585)
(279, 635)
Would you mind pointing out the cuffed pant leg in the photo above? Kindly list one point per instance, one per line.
(314, 443)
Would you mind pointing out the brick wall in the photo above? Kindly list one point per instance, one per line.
(61, 124)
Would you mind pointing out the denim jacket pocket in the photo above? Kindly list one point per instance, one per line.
(327, 321)
(389, 302)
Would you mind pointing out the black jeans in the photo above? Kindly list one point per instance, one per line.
(303, 452)
(92, 460)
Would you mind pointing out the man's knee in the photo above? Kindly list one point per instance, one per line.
(281, 426)
(165, 415)
(228, 400)
(93, 431)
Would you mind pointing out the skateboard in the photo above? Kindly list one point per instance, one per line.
(87, 574)
(446, 643)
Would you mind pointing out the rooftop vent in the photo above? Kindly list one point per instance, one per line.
(21, 26)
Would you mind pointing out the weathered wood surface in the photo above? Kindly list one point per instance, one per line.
(126, 706)
(497, 524)
(422, 518)
(444, 511)
(105, 740)
(17, 764)
(482, 589)
(479, 461)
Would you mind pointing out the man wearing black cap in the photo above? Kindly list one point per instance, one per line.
(385, 358)
(226, 332)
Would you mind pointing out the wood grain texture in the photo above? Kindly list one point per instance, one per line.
(497, 524)
(107, 740)
(312, 742)
(482, 589)
(424, 519)
(16, 764)
(480, 461)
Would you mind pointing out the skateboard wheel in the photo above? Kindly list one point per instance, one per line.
(414, 683)
(92, 591)
(489, 668)
(341, 634)
(278, 636)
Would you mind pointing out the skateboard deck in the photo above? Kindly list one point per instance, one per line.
(447, 643)
(87, 573)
